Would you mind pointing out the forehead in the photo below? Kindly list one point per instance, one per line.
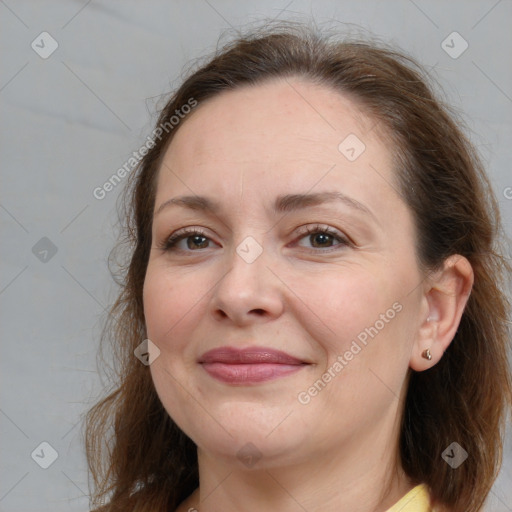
(279, 136)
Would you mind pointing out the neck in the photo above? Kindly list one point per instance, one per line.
(362, 475)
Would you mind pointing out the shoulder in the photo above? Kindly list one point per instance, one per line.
(416, 500)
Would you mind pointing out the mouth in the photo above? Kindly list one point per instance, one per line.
(251, 365)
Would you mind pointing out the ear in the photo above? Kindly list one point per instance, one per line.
(445, 296)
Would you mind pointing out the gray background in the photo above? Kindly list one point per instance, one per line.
(69, 121)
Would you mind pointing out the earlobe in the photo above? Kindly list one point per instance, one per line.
(426, 354)
(434, 316)
(446, 296)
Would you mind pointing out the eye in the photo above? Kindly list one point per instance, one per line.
(322, 237)
(194, 238)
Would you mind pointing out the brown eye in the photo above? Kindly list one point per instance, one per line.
(323, 237)
(195, 239)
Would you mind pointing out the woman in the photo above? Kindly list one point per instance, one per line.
(313, 295)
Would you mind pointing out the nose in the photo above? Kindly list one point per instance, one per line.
(250, 290)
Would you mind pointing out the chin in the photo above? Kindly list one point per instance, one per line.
(248, 451)
(248, 433)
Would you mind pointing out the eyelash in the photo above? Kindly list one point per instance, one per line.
(169, 244)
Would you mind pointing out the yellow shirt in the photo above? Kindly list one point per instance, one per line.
(416, 500)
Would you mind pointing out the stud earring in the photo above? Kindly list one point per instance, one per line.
(426, 354)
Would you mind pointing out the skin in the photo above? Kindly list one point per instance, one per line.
(303, 295)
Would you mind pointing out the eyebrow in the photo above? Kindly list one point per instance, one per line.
(283, 204)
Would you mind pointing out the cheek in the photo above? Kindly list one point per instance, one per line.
(363, 333)
(169, 314)
(343, 303)
(166, 305)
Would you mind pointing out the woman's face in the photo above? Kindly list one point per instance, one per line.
(344, 302)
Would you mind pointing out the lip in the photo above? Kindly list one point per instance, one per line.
(249, 365)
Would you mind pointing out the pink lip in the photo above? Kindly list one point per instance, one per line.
(250, 365)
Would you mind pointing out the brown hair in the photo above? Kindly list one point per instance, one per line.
(140, 460)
